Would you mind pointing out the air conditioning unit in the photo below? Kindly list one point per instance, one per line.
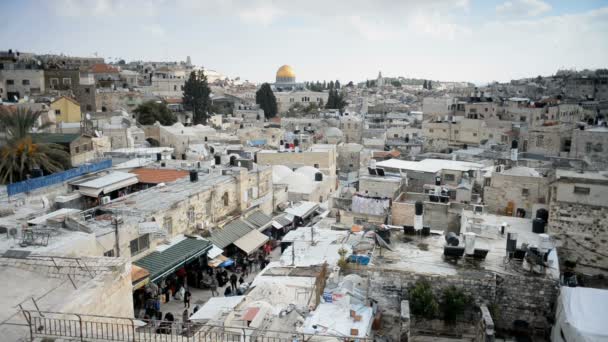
(478, 209)
(105, 200)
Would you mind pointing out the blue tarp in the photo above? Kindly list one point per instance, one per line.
(359, 259)
(258, 142)
(55, 178)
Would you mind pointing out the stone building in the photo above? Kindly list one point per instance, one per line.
(578, 218)
(548, 140)
(522, 189)
(319, 156)
(352, 128)
(591, 144)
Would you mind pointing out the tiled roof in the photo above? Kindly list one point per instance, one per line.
(161, 263)
(230, 233)
(258, 219)
(103, 69)
(156, 176)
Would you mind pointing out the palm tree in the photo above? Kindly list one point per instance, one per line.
(19, 154)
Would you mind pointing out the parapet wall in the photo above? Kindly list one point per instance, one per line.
(510, 298)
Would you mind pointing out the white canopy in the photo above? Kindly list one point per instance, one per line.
(581, 315)
(251, 241)
(216, 306)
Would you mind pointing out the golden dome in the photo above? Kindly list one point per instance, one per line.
(286, 72)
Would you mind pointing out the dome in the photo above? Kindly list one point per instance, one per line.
(333, 132)
(285, 74)
(286, 71)
(280, 172)
(299, 183)
(308, 171)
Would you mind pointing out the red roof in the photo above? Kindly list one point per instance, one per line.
(103, 69)
(156, 176)
(173, 100)
(385, 154)
(250, 314)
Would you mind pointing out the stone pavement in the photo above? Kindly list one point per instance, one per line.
(200, 297)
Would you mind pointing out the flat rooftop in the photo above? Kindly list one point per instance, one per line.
(420, 254)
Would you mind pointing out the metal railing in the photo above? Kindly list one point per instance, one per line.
(78, 327)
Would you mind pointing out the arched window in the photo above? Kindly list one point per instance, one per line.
(225, 199)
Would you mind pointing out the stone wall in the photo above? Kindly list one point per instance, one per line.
(511, 297)
(506, 188)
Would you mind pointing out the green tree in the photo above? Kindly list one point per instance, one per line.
(396, 83)
(454, 303)
(422, 300)
(267, 101)
(331, 85)
(337, 84)
(151, 111)
(366, 83)
(335, 100)
(430, 85)
(19, 155)
(350, 84)
(196, 97)
(424, 85)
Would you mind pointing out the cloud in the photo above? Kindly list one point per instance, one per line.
(106, 8)
(154, 29)
(263, 15)
(529, 8)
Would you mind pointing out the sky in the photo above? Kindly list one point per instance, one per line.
(450, 40)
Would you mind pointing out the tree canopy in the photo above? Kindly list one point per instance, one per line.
(335, 100)
(396, 84)
(267, 101)
(19, 155)
(151, 111)
(196, 97)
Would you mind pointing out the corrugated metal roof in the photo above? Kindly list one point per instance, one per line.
(230, 233)
(284, 219)
(161, 263)
(258, 219)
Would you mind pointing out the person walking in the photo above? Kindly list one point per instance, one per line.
(213, 287)
(233, 280)
(187, 296)
(227, 292)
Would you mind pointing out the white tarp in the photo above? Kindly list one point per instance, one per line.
(251, 241)
(581, 315)
(215, 306)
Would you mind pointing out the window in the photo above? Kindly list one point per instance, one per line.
(431, 130)
(597, 148)
(89, 107)
(490, 135)
(456, 132)
(57, 111)
(25, 82)
(444, 131)
(525, 192)
(449, 178)
(54, 82)
(87, 90)
(225, 199)
(77, 149)
(582, 190)
(109, 253)
(539, 140)
(168, 224)
(140, 244)
(395, 135)
(10, 82)
(67, 81)
(588, 147)
(316, 166)
(474, 134)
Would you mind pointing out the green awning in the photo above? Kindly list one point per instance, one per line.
(160, 264)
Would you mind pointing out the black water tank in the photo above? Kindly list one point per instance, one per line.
(465, 146)
(183, 156)
(538, 226)
(205, 138)
(286, 146)
(514, 144)
(232, 161)
(193, 175)
(451, 239)
(218, 160)
(163, 164)
(318, 177)
(437, 180)
(511, 242)
(211, 150)
(543, 214)
(159, 157)
(281, 143)
(419, 208)
(296, 142)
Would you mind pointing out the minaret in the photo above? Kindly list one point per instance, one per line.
(380, 80)
(188, 61)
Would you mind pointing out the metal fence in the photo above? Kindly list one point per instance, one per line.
(55, 178)
(77, 327)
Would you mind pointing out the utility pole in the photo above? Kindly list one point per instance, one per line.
(116, 236)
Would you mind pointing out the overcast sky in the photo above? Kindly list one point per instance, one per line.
(460, 40)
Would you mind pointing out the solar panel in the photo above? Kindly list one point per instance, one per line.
(16, 254)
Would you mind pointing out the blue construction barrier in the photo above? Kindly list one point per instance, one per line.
(55, 178)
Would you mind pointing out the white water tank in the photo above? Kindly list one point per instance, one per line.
(545, 243)
(372, 163)
(469, 243)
